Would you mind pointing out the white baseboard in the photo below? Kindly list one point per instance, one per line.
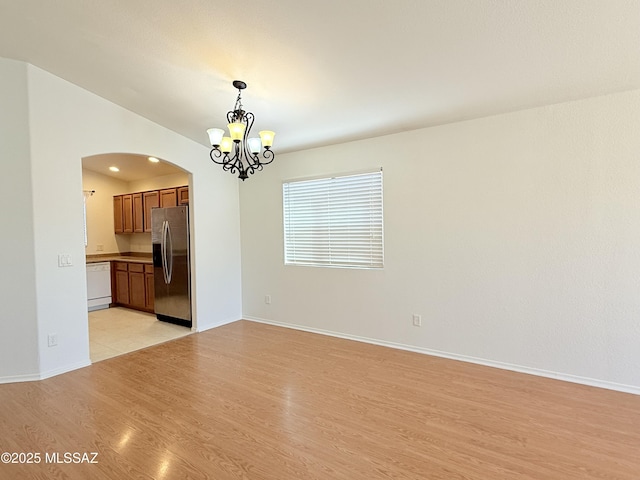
(464, 358)
(227, 321)
(33, 377)
(65, 369)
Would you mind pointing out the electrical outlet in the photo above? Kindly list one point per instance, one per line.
(52, 339)
(267, 299)
(99, 248)
(417, 320)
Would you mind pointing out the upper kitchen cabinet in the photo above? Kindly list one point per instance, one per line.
(127, 213)
(149, 200)
(138, 216)
(132, 211)
(118, 223)
(183, 195)
(123, 217)
(168, 198)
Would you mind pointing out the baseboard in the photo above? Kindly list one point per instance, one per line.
(592, 382)
(65, 369)
(33, 377)
(227, 321)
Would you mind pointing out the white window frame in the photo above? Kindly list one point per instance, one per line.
(334, 221)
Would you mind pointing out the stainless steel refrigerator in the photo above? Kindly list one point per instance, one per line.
(171, 267)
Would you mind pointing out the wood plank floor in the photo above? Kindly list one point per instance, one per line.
(253, 401)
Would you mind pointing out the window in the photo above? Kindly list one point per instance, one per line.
(334, 222)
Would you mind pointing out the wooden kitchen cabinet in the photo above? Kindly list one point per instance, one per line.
(138, 213)
(123, 213)
(149, 200)
(149, 287)
(121, 281)
(118, 224)
(168, 198)
(183, 195)
(137, 286)
(127, 213)
(132, 212)
(133, 285)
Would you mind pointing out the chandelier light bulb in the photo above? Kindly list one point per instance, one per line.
(236, 130)
(255, 145)
(226, 144)
(267, 138)
(215, 136)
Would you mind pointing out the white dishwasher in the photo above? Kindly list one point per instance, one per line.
(98, 285)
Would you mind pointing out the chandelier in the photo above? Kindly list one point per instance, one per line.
(238, 152)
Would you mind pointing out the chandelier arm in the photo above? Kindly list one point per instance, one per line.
(251, 159)
(216, 153)
(237, 161)
(268, 155)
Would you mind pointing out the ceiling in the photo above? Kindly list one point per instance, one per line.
(333, 70)
(130, 167)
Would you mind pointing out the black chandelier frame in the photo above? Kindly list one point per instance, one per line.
(241, 159)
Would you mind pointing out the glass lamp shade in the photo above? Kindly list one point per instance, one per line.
(215, 135)
(255, 145)
(267, 137)
(236, 130)
(226, 144)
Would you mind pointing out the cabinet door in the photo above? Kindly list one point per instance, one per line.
(137, 287)
(168, 198)
(138, 218)
(150, 200)
(122, 287)
(183, 195)
(127, 213)
(118, 225)
(150, 292)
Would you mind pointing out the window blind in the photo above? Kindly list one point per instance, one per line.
(335, 221)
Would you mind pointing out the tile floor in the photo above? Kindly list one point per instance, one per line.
(115, 331)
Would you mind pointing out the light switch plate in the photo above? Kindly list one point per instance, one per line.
(64, 260)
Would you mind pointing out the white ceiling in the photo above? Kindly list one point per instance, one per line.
(131, 167)
(332, 70)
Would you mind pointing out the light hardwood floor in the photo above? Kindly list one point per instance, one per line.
(253, 401)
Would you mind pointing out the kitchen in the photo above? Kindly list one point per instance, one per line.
(125, 289)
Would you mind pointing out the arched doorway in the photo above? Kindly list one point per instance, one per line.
(119, 258)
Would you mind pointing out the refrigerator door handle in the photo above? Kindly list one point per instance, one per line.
(163, 251)
(169, 252)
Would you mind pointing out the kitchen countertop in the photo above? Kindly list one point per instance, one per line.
(120, 258)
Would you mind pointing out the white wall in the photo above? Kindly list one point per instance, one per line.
(67, 123)
(100, 214)
(18, 325)
(516, 237)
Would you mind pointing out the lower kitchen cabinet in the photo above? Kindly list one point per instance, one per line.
(121, 281)
(149, 288)
(137, 290)
(133, 284)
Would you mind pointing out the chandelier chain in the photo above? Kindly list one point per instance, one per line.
(238, 105)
